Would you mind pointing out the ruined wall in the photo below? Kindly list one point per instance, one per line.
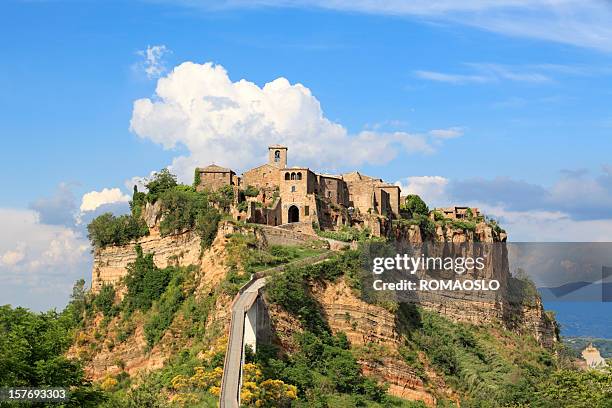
(394, 198)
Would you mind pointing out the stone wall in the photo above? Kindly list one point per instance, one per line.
(262, 177)
(285, 236)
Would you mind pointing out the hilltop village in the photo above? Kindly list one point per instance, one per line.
(298, 198)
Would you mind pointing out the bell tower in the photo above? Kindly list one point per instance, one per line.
(277, 156)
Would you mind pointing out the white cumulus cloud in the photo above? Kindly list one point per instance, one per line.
(199, 107)
(94, 199)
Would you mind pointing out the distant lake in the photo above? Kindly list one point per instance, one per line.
(583, 319)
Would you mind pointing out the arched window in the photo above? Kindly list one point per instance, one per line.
(293, 189)
(292, 176)
(277, 156)
(287, 176)
(299, 176)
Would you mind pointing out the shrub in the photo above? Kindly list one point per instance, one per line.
(464, 225)
(145, 282)
(197, 177)
(165, 309)
(138, 202)
(251, 191)
(346, 234)
(207, 223)
(105, 300)
(243, 206)
(223, 197)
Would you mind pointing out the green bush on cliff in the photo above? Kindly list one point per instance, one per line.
(184, 209)
(346, 234)
(145, 282)
(104, 301)
(108, 229)
(164, 310)
(464, 225)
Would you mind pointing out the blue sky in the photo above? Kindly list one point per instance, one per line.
(504, 105)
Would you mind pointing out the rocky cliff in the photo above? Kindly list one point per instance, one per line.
(373, 331)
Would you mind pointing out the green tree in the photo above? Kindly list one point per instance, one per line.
(415, 205)
(76, 308)
(180, 208)
(160, 182)
(32, 347)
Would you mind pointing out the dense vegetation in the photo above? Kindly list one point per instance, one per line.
(164, 300)
(182, 208)
(32, 347)
(488, 366)
(323, 368)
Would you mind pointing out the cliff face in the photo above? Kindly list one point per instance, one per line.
(507, 306)
(110, 263)
(374, 332)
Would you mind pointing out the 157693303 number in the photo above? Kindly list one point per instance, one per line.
(33, 394)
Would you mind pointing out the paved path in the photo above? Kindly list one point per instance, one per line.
(234, 355)
(232, 368)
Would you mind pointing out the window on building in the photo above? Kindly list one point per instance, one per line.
(277, 156)
(306, 210)
(329, 194)
(293, 176)
(287, 176)
(293, 189)
(299, 176)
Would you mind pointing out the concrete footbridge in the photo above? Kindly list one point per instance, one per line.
(249, 320)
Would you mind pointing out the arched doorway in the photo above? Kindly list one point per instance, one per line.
(294, 214)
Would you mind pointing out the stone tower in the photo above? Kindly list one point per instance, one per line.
(277, 156)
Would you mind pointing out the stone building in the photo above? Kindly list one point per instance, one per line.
(458, 213)
(592, 357)
(290, 195)
(213, 177)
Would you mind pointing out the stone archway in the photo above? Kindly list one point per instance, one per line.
(293, 215)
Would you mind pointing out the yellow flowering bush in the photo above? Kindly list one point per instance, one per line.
(179, 382)
(206, 379)
(108, 383)
(265, 394)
